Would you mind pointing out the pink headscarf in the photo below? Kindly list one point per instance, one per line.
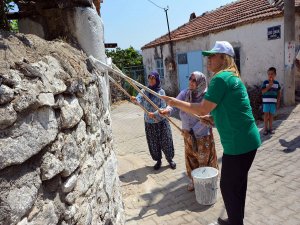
(197, 94)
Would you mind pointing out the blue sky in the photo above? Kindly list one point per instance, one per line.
(137, 22)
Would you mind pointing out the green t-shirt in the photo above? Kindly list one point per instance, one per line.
(233, 114)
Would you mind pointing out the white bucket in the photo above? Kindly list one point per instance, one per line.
(206, 185)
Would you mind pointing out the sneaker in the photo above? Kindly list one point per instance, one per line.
(223, 221)
(172, 164)
(271, 131)
(157, 165)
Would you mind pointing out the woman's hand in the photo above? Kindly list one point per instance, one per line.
(133, 100)
(186, 134)
(207, 120)
(151, 115)
(169, 100)
(164, 112)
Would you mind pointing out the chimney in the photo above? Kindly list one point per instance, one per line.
(192, 16)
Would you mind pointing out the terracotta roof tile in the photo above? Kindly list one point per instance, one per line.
(225, 17)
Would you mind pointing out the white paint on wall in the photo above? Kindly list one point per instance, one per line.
(88, 31)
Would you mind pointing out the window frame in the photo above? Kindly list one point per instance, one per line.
(237, 57)
(159, 66)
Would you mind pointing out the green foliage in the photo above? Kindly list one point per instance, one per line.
(128, 60)
(130, 89)
(5, 7)
(14, 26)
(125, 57)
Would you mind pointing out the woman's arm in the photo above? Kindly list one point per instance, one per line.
(201, 109)
(171, 111)
(214, 95)
(139, 99)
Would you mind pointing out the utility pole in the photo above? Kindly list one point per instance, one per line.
(169, 33)
(171, 44)
(166, 11)
(289, 53)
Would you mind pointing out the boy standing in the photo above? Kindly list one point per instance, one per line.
(271, 94)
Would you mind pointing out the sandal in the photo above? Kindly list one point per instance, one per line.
(190, 187)
(265, 132)
(271, 131)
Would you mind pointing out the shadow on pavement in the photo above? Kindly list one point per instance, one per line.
(140, 175)
(170, 198)
(290, 145)
(282, 114)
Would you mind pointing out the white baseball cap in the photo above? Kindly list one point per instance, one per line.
(220, 47)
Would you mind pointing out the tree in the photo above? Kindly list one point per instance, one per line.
(123, 58)
(5, 7)
(130, 62)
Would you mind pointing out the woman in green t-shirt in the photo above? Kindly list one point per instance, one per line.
(228, 103)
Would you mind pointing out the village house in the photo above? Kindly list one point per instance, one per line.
(253, 27)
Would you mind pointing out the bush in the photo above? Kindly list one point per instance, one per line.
(5, 24)
(255, 97)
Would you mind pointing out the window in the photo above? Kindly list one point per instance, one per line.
(182, 58)
(160, 67)
(237, 58)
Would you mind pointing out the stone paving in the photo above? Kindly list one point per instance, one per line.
(161, 197)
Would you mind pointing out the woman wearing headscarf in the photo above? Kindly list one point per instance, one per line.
(228, 102)
(157, 128)
(199, 143)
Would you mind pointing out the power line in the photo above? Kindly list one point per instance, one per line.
(166, 11)
(158, 5)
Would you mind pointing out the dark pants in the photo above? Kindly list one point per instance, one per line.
(234, 176)
(159, 138)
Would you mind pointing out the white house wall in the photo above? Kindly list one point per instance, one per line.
(193, 44)
(148, 59)
(257, 53)
(169, 82)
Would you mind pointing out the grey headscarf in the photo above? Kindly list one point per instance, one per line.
(197, 94)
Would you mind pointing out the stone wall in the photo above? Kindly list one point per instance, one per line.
(57, 164)
(115, 93)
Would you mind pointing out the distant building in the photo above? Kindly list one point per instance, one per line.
(253, 27)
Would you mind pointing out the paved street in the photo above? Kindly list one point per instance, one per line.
(161, 197)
